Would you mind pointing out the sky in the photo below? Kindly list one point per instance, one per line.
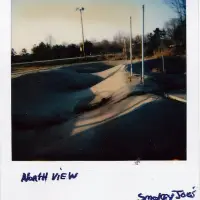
(34, 20)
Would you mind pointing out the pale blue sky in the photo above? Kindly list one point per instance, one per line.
(34, 20)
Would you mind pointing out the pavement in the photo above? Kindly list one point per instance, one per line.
(122, 120)
(175, 78)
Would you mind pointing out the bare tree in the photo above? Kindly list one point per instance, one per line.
(179, 6)
(171, 27)
(50, 40)
(119, 38)
(13, 52)
(24, 52)
(65, 44)
(137, 39)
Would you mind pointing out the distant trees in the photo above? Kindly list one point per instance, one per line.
(73, 50)
(41, 51)
(104, 46)
(24, 52)
(170, 28)
(50, 40)
(177, 27)
(13, 52)
(119, 38)
(179, 6)
(137, 42)
(173, 33)
(58, 51)
(89, 48)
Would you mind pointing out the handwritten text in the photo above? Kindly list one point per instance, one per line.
(28, 177)
(175, 194)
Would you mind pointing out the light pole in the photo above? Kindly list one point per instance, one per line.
(81, 10)
(131, 46)
(142, 78)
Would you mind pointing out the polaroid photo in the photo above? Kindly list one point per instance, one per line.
(100, 99)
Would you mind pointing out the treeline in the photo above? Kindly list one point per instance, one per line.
(172, 36)
(46, 51)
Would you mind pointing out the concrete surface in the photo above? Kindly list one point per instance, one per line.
(179, 95)
(126, 122)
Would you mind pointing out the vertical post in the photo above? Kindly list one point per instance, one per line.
(131, 46)
(142, 78)
(82, 32)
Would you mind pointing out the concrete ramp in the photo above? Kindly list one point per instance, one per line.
(114, 119)
(44, 97)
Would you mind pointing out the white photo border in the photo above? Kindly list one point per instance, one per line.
(101, 180)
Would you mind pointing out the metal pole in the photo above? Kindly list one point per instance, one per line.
(142, 44)
(82, 33)
(131, 46)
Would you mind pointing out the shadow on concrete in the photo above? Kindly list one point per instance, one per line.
(155, 131)
(118, 113)
(94, 67)
(43, 100)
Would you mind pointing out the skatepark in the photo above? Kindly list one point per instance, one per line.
(92, 111)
